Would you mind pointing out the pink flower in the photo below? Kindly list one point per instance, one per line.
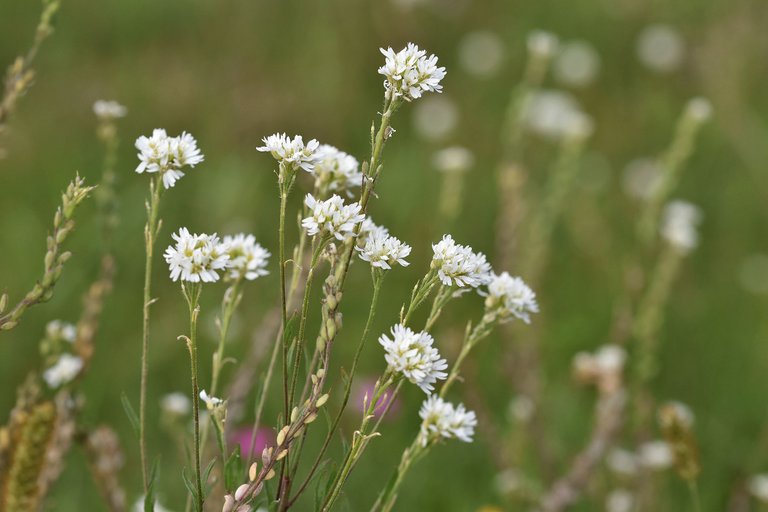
(243, 436)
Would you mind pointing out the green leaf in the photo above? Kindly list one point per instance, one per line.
(132, 417)
(149, 499)
(189, 485)
(207, 473)
(233, 470)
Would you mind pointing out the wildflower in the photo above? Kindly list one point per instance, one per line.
(679, 225)
(453, 159)
(56, 329)
(510, 297)
(413, 355)
(242, 436)
(211, 402)
(109, 109)
(435, 118)
(382, 250)
(758, 487)
(699, 109)
(177, 404)
(641, 178)
(196, 258)
(660, 48)
(247, 259)
(440, 419)
(619, 500)
(542, 44)
(577, 64)
(292, 153)
(157, 507)
(655, 455)
(336, 170)
(369, 228)
(481, 53)
(604, 365)
(63, 371)
(681, 412)
(410, 72)
(521, 409)
(459, 265)
(331, 217)
(167, 155)
(622, 462)
(556, 115)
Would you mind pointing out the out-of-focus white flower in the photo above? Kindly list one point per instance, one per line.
(331, 217)
(655, 455)
(577, 64)
(56, 329)
(509, 481)
(459, 265)
(409, 73)
(681, 411)
(440, 419)
(660, 48)
(619, 500)
(453, 159)
(167, 155)
(641, 178)
(699, 109)
(758, 487)
(521, 409)
(139, 506)
(509, 297)
(292, 153)
(177, 404)
(247, 259)
(108, 109)
(753, 273)
(63, 371)
(556, 115)
(196, 258)
(603, 366)
(211, 402)
(435, 118)
(383, 250)
(413, 355)
(481, 53)
(336, 170)
(622, 462)
(542, 44)
(679, 225)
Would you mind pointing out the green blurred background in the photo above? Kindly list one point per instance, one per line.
(232, 72)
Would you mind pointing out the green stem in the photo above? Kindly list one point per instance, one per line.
(150, 234)
(471, 338)
(695, 497)
(192, 293)
(388, 497)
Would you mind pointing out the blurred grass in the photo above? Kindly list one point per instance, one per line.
(232, 72)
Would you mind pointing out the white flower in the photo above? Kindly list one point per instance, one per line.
(619, 500)
(577, 64)
(211, 402)
(608, 361)
(758, 487)
(440, 419)
(176, 403)
(682, 413)
(622, 462)
(699, 109)
(556, 115)
(542, 44)
(139, 506)
(660, 48)
(459, 265)
(196, 258)
(369, 228)
(679, 225)
(413, 355)
(109, 109)
(655, 455)
(247, 259)
(58, 329)
(641, 178)
(336, 170)
(434, 118)
(167, 155)
(410, 72)
(63, 371)
(481, 53)
(383, 250)
(510, 297)
(331, 217)
(291, 152)
(453, 159)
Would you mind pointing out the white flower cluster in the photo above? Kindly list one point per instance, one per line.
(440, 419)
(211, 402)
(409, 73)
(542, 44)
(758, 487)
(167, 155)
(679, 225)
(556, 115)
(383, 250)
(459, 264)
(605, 364)
(336, 170)
(196, 258)
(510, 297)
(63, 371)
(108, 109)
(292, 153)
(413, 355)
(332, 217)
(247, 259)
(56, 329)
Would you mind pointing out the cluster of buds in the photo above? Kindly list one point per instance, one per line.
(331, 317)
(603, 367)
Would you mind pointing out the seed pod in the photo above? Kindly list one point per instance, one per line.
(252, 472)
(321, 401)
